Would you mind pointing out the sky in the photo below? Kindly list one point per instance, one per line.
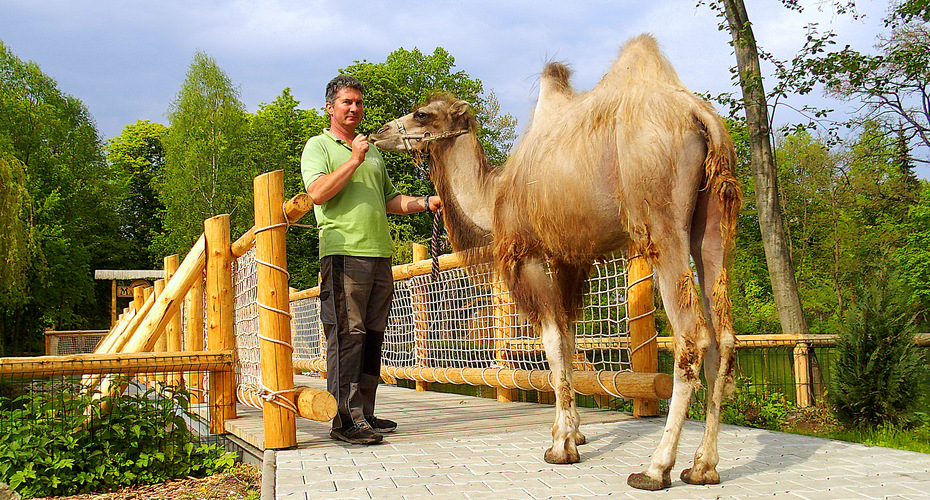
(126, 60)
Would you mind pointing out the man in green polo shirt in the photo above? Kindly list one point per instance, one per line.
(352, 195)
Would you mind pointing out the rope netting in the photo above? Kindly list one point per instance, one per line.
(248, 343)
(467, 320)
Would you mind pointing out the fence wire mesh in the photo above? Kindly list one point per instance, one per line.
(466, 319)
(248, 346)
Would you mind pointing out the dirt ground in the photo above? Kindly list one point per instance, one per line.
(244, 482)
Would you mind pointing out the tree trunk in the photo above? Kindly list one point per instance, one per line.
(777, 254)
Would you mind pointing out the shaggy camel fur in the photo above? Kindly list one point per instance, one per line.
(637, 160)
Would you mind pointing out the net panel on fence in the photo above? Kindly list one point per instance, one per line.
(66, 344)
(467, 320)
(248, 347)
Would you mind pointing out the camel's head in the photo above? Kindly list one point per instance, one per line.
(442, 117)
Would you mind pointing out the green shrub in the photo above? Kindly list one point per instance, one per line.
(747, 408)
(878, 372)
(53, 443)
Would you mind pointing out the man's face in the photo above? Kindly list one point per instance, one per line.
(347, 109)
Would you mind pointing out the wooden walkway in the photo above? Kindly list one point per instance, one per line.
(463, 447)
(420, 415)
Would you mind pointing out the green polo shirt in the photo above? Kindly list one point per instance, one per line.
(354, 221)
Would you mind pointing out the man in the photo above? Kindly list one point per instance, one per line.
(352, 195)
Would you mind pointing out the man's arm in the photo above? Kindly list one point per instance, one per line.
(328, 185)
(403, 204)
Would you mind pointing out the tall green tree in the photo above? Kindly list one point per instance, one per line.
(17, 241)
(765, 178)
(206, 171)
(53, 137)
(137, 158)
(913, 256)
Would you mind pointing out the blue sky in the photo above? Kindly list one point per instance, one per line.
(127, 59)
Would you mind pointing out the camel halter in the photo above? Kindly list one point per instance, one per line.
(425, 136)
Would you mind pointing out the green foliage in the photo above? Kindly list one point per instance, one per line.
(277, 134)
(913, 257)
(17, 238)
(747, 408)
(206, 172)
(878, 376)
(137, 157)
(59, 444)
(69, 214)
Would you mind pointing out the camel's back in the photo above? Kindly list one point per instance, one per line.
(633, 133)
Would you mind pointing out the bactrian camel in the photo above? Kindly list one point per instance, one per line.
(639, 162)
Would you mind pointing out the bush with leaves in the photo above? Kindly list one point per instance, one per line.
(746, 407)
(53, 443)
(879, 369)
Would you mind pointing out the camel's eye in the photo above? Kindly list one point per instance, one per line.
(420, 116)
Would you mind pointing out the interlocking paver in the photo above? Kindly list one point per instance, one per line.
(753, 463)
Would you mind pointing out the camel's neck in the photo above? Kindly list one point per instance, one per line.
(467, 188)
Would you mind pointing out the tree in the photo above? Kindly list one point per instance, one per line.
(893, 86)
(777, 252)
(53, 138)
(913, 257)
(206, 172)
(137, 158)
(17, 241)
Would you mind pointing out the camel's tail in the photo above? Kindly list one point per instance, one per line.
(719, 170)
(725, 196)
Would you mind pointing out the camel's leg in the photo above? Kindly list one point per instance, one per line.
(680, 297)
(565, 434)
(709, 251)
(545, 300)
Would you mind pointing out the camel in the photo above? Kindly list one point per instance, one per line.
(638, 162)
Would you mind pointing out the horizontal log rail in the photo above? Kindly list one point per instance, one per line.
(620, 384)
(294, 209)
(312, 404)
(742, 342)
(75, 333)
(119, 363)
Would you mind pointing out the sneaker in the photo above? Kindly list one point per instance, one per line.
(381, 425)
(357, 434)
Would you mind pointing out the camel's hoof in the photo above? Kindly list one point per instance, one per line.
(643, 482)
(708, 477)
(580, 439)
(568, 456)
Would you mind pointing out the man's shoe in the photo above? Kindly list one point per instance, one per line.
(357, 434)
(381, 425)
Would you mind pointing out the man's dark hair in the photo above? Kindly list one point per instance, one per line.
(342, 82)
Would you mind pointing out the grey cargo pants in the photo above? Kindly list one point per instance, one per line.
(355, 298)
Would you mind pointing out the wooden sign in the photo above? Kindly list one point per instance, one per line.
(126, 290)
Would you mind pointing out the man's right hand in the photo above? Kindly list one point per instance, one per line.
(360, 147)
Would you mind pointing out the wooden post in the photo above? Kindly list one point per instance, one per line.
(420, 301)
(273, 316)
(220, 318)
(802, 370)
(173, 328)
(161, 342)
(504, 313)
(112, 303)
(194, 336)
(644, 355)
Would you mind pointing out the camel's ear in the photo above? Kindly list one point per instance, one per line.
(458, 109)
